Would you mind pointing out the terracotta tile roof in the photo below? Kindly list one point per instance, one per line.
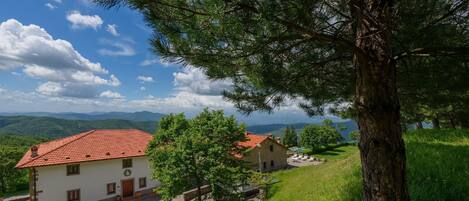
(252, 140)
(89, 146)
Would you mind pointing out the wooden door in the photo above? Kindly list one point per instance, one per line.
(127, 188)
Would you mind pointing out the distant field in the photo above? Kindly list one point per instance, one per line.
(437, 169)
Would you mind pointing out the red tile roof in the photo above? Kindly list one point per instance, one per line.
(89, 146)
(252, 140)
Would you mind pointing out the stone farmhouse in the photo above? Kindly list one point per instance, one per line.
(264, 153)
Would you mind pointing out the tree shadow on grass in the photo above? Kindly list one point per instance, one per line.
(329, 153)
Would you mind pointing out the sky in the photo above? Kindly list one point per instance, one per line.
(73, 56)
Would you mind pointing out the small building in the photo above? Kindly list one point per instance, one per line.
(264, 153)
(94, 165)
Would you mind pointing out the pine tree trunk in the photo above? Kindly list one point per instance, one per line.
(452, 123)
(436, 123)
(381, 145)
(419, 125)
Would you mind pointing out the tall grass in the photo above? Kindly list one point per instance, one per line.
(438, 165)
(437, 170)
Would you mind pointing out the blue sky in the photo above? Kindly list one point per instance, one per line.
(72, 56)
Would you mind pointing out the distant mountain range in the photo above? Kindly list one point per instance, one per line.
(130, 116)
(344, 128)
(49, 127)
(53, 125)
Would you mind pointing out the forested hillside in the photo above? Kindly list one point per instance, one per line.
(12, 149)
(53, 127)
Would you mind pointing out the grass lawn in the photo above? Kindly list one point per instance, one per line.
(437, 170)
(338, 153)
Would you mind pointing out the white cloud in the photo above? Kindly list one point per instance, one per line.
(182, 101)
(120, 48)
(55, 61)
(110, 94)
(91, 79)
(50, 6)
(195, 81)
(145, 78)
(193, 91)
(81, 77)
(142, 88)
(80, 21)
(32, 45)
(58, 1)
(112, 29)
(66, 90)
(149, 62)
(50, 88)
(43, 73)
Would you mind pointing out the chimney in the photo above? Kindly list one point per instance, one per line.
(278, 140)
(34, 150)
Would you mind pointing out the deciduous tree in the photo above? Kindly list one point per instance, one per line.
(188, 154)
(314, 136)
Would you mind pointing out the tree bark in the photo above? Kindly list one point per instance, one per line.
(436, 123)
(381, 145)
(419, 125)
(452, 123)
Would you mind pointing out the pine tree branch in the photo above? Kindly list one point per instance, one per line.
(443, 17)
(307, 33)
(433, 51)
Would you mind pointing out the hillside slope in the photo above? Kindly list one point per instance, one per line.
(437, 169)
(52, 128)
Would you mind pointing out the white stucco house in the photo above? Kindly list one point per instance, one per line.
(94, 165)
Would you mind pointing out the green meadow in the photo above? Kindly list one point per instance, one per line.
(437, 170)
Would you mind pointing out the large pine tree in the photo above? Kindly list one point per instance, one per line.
(316, 52)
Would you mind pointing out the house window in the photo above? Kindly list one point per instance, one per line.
(272, 163)
(127, 163)
(73, 195)
(142, 182)
(73, 169)
(111, 188)
(265, 165)
(271, 148)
